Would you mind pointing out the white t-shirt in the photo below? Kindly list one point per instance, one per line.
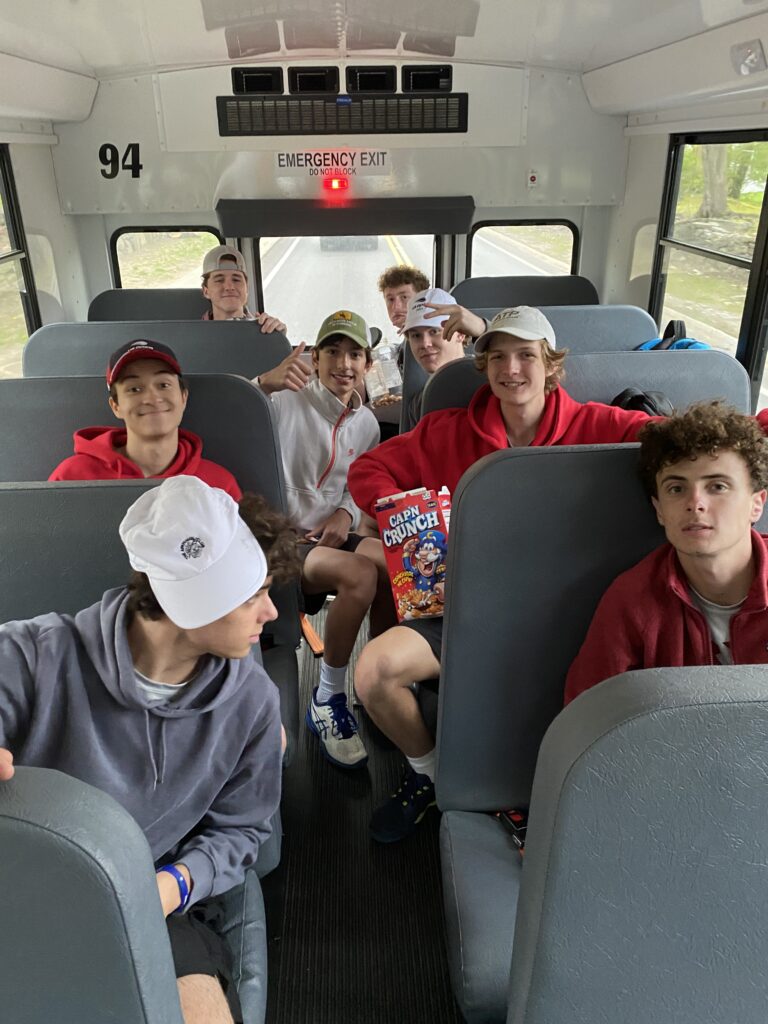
(160, 693)
(718, 618)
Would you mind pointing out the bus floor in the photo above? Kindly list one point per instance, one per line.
(355, 929)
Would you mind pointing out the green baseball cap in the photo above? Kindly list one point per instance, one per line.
(351, 325)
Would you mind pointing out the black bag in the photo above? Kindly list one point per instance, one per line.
(655, 403)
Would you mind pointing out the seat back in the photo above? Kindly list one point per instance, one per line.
(217, 346)
(683, 376)
(589, 328)
(538, 290)
(149, 304)
(643, 894)
(540, 533)
(85, 936)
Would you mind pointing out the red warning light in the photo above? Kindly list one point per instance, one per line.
(335, 184)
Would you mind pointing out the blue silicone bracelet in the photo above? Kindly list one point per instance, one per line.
(182, 884)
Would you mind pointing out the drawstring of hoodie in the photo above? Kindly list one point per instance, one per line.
(158, 771)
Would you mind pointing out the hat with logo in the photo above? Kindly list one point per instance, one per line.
(201, 559)
(418, 307)
(524, 322)
(351, 325)
(224, 257)
(141, 348)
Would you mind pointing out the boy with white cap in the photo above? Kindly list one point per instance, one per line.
(323, 426)
(522, 404)
(423, 330)
(164, 666)
(225, 285)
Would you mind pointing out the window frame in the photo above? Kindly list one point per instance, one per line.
(153, 229)
(751, 344)
(528, 222)
(18, 239)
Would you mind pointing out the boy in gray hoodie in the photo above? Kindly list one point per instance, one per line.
(153, 695)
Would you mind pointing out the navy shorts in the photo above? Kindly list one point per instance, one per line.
(432, 631)
(312, 603)
(198, 949)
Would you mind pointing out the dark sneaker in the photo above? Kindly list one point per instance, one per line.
(401, 813)
(335, 726)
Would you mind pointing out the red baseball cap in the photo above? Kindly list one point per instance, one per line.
(139, 349)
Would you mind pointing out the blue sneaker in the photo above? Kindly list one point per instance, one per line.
(401, 813)
(335, 726)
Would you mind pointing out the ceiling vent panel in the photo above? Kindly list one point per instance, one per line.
(346, 115)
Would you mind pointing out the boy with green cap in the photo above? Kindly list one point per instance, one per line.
(323, 427)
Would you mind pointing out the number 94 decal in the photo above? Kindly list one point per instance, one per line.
(111, 165)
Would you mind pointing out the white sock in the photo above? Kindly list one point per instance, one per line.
(332, 681)
(424, 765)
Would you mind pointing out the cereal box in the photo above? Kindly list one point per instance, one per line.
(414, 531)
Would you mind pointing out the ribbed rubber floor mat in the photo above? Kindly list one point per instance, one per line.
(355, 928)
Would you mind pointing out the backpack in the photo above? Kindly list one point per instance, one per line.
(655, 403)
(674, 337)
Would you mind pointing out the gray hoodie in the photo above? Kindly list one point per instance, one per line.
(201, 775)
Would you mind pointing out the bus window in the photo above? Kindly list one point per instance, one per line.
(708, 242)
(507, 250)
(152, 258)
(13, 322)
(334, 272)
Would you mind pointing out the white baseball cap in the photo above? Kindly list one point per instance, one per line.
(524, 322)
(201, 559)
(418, 308)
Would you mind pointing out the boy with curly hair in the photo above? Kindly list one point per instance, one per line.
(701, 598)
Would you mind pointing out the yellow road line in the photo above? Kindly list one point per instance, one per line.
(397, 250)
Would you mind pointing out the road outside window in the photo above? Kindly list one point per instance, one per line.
(511, 250)
(306, 279)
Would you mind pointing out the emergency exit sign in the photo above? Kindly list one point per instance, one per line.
(333, 163)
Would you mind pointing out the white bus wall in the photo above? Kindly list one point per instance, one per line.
(536, 121)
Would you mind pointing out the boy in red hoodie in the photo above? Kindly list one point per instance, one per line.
(702, 598)
(522, 404)
(148, 393)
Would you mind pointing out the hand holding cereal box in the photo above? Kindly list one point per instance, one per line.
(414, 531)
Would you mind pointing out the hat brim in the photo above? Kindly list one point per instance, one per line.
(207, 596)
(481, 344)
(346, 334)
(132, 355)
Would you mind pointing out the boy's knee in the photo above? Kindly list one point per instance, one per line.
(376, 671)
(359, 579)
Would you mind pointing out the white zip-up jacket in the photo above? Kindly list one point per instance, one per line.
(320, 438)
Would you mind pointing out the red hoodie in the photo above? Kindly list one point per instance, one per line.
(646, 619)
(444, 444)
(96, 458)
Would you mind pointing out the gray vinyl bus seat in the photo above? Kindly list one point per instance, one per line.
(534, 290)
(217, 346)
(684, 376)
(643, 895)
(85, 935)
(577, 328)
(236, 424)
(593, 328)
(149, 304)
(539, 533)
(81, 558)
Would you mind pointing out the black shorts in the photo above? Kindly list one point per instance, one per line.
(312, 603)
(197, 949)
(432, 631)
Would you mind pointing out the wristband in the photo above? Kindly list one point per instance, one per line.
(181, 881)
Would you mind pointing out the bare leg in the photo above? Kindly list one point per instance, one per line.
(383, 615)
(385, 670)
(354, 580)
(202, 1000)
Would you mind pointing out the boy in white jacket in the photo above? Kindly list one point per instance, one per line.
(323, 427)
